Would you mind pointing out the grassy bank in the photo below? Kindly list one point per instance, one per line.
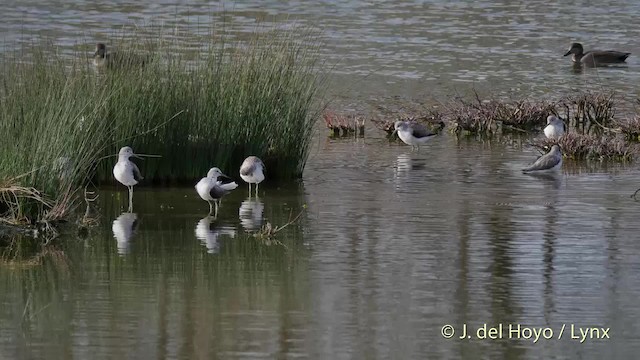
(62, 121)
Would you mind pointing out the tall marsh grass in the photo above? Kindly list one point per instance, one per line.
(232, 101)
(62, 121)
(51, 133)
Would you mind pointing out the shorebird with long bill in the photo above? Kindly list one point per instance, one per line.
(551, 161)
(213, 187)
(252, 172)
(412, 133)
(127, 172)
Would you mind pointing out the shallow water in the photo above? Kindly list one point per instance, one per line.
(393, 244)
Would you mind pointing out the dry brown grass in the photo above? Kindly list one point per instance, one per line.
(629, 127)
(267, 233)
(585, 146)
(588, 112)
(343, 125)
(491, 116)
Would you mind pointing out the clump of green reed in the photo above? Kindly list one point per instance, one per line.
(50, 135)
(233, 100)
(586, 146)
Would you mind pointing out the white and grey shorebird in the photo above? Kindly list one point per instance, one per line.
(213, 187)
(551, 161)
(127, 172)
(412, 133)
(252, 172)
(555, 127)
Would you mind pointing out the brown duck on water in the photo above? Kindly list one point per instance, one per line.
(595, 58)
(102, 59)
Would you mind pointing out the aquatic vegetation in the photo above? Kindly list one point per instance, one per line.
(51, 134)
(22, 253)
(267, 233)
(491, 116)
(588, 112)
(62, 121)
(349, 125)
(585, 146)
(629, 127)
(255, 98)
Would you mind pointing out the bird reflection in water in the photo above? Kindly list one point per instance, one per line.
(554, 179)
(124, 226)
(250, 214)
(208, 234)
(405, 164)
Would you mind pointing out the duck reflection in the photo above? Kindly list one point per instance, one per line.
(123, 228)
(250, 214)
(207, 233)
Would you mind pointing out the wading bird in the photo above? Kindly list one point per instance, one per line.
(252, 172)
(551, 161)
(555, 127)
(412, 133)
(127, 172)
(213, 187)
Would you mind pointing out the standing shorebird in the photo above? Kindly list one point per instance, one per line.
(555, 127)
(127, 172)
(548, 162)
(595, 58)
(412, 133)
(213, 187)
(252, 172)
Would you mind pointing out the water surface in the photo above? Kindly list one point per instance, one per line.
(393, 244)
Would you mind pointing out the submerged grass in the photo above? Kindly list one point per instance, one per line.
(62, 121)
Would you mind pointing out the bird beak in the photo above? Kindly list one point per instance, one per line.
(137, 156)
(568, 53)
(394, 132)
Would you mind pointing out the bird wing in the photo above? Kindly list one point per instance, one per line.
(224, 179)
(544, 162)
(136, 172)
(216, 191)
(420, 130)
